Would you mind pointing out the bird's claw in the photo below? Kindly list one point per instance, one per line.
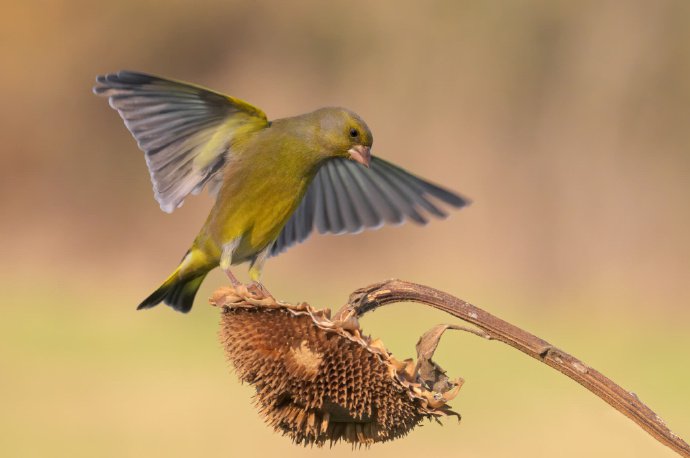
(242, 295)
(255, 289)
(259, 291)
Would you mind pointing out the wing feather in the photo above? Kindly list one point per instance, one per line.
(349, 220)
(345, 197)
(396, 192)
(185, 131)
(364, 206)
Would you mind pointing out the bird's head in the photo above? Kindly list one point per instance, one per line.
(344, 134)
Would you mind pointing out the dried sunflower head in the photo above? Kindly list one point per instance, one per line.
(319, 380)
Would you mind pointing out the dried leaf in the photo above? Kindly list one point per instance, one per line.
(432, 375)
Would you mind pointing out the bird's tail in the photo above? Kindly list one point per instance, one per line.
(179, 289)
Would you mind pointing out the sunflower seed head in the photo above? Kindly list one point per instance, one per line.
(319, 380)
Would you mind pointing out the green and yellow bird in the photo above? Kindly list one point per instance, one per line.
(274, 181)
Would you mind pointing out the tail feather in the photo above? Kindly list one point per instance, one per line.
(177, 293)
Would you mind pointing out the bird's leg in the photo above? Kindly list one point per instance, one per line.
(226, 261)
(255, 272)
(233, 280)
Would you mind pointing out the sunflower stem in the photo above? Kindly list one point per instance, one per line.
(373, 296)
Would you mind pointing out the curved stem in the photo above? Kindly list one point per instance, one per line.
(369, 298)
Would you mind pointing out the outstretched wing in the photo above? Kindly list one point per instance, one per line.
(348, 198)
(184, 130)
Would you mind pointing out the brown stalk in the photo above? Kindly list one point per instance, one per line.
(373, 296)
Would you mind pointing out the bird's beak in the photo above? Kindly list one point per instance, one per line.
(361, 154)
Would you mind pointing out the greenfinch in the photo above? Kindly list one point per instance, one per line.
(275, 182)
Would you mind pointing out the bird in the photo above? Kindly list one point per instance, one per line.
(275, 182)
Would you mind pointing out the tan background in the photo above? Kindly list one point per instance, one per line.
(565, 122)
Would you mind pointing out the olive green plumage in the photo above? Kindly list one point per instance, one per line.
(275, 182)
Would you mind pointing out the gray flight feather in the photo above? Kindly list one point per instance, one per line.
(177, 126)
(345, 197)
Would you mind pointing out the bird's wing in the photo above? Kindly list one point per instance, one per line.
(184, 130)
(348, 198)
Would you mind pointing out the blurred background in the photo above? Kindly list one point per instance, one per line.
(567, 124)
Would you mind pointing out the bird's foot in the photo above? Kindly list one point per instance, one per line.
(259, 290)
(241, 295)
(254, 291)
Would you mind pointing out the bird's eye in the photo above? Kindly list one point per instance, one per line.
(354, 133)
